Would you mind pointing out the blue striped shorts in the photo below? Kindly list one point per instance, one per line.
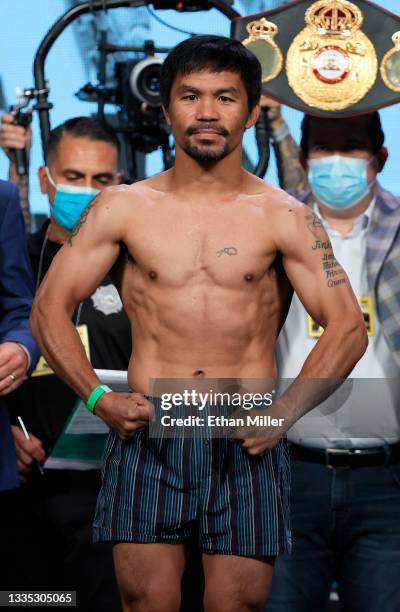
(174, 490)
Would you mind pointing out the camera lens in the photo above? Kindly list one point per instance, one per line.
(145, 80)
(152, 83)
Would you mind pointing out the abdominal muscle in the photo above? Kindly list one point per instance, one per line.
(201, 332)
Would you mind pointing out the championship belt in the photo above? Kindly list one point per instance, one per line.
(330, 58)
(261, 43)
(332, 64)
(390, 67)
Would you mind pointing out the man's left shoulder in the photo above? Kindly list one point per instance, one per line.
(274, 198)
(302, 196)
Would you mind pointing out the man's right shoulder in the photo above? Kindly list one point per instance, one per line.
(123, 195)
(115, 208)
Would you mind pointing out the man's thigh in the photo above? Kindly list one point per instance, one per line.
(236, 584)
(370, 567)
(149, 575)
(302, 579)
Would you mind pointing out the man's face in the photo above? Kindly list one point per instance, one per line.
(81, 162)
(347, 137)
(208, 112)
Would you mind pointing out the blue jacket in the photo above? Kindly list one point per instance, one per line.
(16, 295)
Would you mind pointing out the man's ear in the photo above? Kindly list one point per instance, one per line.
(166, 115)
(43, 179)
(253, 116)
(381, 158)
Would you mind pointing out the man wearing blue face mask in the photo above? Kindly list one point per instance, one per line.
(82, 157)
(53, 533)
(69, 202)
(346, 453)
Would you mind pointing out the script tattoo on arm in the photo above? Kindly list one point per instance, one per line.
(333, 270)
(81, 221)
(227, 251)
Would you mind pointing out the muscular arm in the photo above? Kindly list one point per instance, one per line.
(324, 289)
(73, 276)
(325, 292)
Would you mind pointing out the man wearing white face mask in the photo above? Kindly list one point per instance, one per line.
(346, 453)
(82, 157)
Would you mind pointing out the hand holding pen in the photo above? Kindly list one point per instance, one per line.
(30, 451)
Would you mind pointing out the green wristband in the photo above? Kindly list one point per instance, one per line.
(94, 396)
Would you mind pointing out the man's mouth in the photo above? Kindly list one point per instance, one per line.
(207, 131)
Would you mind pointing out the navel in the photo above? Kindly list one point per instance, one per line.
(199, 373)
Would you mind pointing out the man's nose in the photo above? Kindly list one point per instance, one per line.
(89, 181)
(207, 110)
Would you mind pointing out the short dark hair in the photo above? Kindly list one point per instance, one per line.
(373, 127)
(81, 127)
(216, 53)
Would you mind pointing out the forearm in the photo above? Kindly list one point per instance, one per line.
(61, 346)
(325, 369)
(290, 171)
(22, 182)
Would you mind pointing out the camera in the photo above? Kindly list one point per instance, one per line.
(144, 80)
(135, 90)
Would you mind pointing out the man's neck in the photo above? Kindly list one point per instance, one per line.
(56, 233)
(343, 220)
(208, 180)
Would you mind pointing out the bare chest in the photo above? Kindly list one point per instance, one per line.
(221, 250)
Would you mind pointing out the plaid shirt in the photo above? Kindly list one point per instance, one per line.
(383, 262)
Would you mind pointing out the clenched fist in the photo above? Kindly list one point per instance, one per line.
(125, 413)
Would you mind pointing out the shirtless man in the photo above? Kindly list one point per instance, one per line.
(205, 256)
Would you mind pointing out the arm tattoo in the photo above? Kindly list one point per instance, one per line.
(290, 171)
(228, 251)
(333, 270)
(322, 244)
(313, 223)
(22, 183)
(81, 221)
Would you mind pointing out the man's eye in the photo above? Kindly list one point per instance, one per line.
(225, 99)
(104, 181)
(190, 97)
